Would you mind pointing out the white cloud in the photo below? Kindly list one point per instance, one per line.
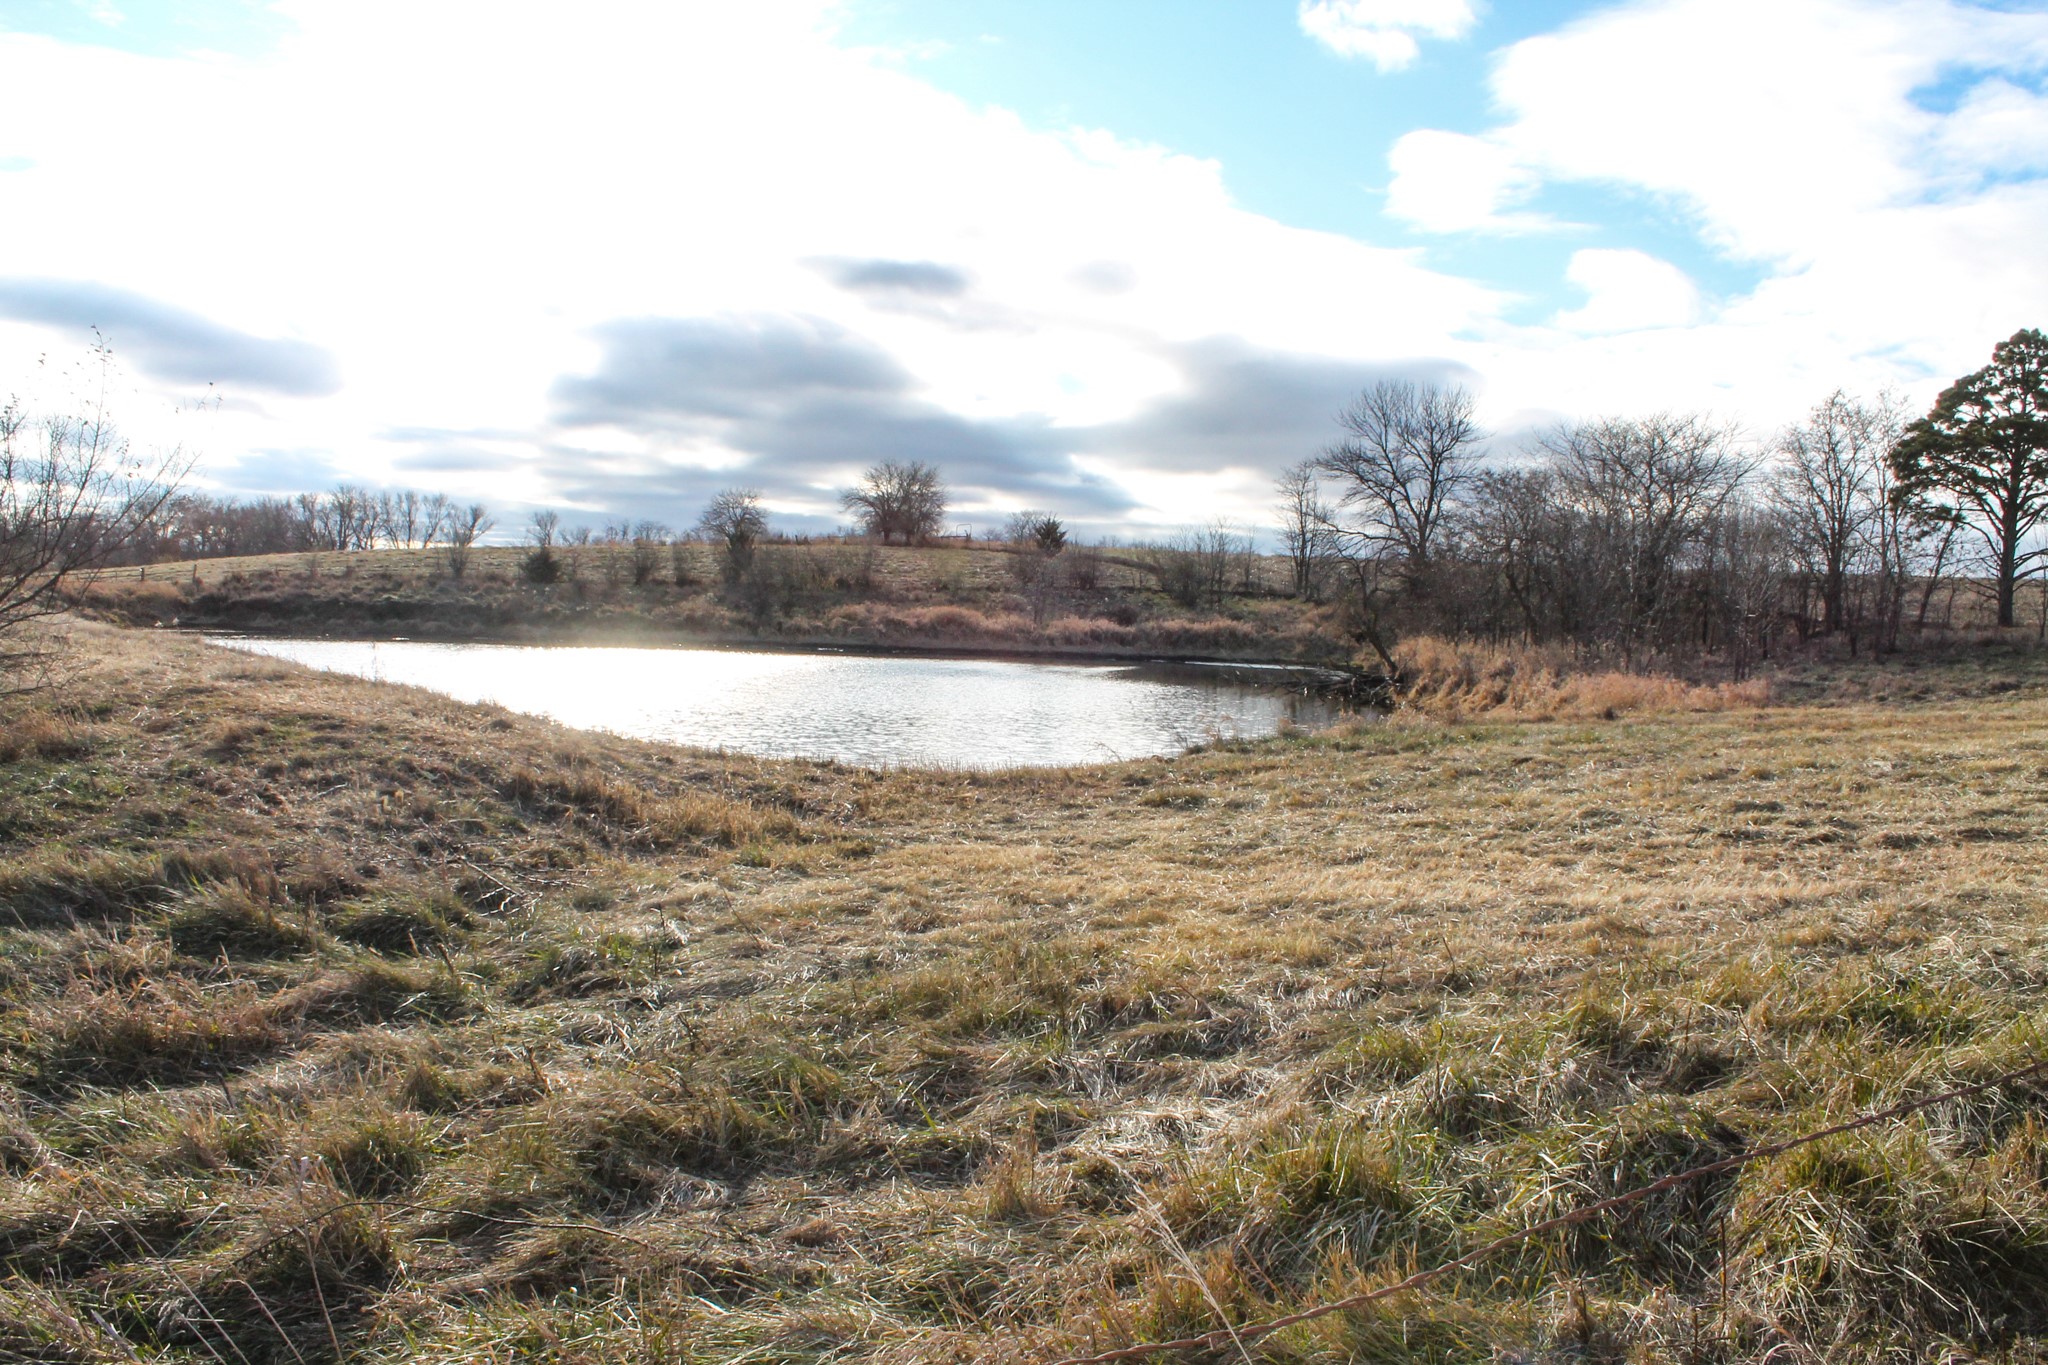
(1384, 31)
(1897, 233)
(448, 199)
(1999, 128)
(1627, 291)
(1452, 182)
(1771, 123)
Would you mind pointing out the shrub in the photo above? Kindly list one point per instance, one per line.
(541, 566)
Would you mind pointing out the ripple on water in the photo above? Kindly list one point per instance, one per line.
(871, 710)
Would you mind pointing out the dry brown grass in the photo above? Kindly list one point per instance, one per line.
(400, 1030)
(42, 735)
(1458, 681)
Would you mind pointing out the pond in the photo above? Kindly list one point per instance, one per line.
(865, 709)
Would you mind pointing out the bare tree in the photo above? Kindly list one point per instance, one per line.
(460, 532)
(645, 556)
(541, 564)
(1894, 549)
(1644, 492)
(1522, 539)
(436, 515)
(371, 519)
(408, 517)
(383, 520)
(1406, 452)
(1740, 582)
(1829, 467)
(1195, 568)
(1304, 527)
(734, 521)
(314, 516)
(350, 518)
(73, 493)
(895, 500)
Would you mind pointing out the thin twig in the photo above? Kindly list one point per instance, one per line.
(313, 1274)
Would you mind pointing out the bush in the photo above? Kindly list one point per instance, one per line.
(541, 566)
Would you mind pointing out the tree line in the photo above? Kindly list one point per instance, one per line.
(1669, 536)
(347, 517)
(894, 502)
(1635, 539)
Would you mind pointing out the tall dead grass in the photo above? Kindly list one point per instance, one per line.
(1465, 680)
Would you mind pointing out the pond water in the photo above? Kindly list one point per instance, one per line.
(871, 710)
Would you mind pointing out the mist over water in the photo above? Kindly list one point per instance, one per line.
(870, 710)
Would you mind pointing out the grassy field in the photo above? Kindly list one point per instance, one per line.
(1085, 602)
(339, 1021)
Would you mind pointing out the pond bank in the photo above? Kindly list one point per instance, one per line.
(919, 600)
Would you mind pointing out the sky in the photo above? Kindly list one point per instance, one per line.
(1122, 260)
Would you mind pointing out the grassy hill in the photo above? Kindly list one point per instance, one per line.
(344, 1021)
(944, 597)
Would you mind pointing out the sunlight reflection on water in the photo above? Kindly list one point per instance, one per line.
(871, 710)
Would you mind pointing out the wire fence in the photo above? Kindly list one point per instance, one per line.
(1238, 1336)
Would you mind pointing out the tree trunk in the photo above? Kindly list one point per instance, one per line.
(1833, 591)
(2008, 562)
(1934, 577)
